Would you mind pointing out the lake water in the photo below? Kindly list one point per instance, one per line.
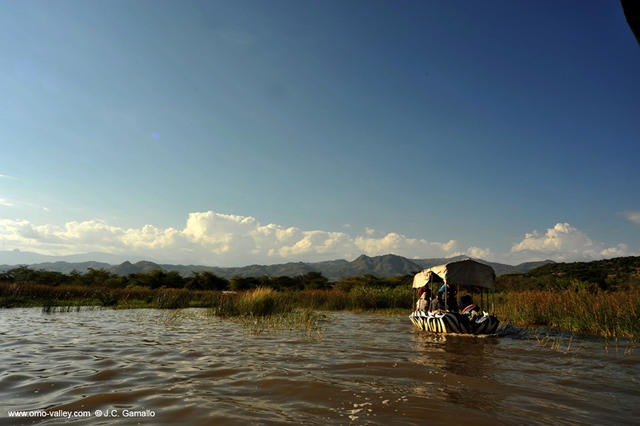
(188, 367)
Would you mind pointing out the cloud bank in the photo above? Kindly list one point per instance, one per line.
(564, 242)
(212, 238)
(218, 239)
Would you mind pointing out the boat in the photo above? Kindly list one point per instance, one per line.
(453, 322)
(468, 274)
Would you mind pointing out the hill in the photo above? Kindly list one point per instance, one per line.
(388, 265)
(608, 274)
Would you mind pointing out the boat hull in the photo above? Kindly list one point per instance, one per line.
(452, 322)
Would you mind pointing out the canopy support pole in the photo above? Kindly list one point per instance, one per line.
(413, 299)
(446, 299)
(493, 300)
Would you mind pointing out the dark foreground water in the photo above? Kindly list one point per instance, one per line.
(189, 368)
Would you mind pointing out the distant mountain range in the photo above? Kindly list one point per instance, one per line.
(388, 265)
(19, 257)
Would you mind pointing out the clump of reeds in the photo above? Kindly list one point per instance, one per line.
(266, 310)
(259, 302)
(171, 299)
(264, 301)
(49, 309)
(305, 320)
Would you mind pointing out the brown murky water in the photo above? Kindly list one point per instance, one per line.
(191, 368)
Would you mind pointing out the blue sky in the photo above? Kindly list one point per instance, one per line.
(230, 133)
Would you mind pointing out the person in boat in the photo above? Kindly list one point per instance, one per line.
(471, 312)
(424, 298)
(435, 304)
(451, 302)
(469, 308)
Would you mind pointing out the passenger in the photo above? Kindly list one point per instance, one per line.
(470, 308)
(435, 305)
(452, 302)
(421, 291)
(424, 297)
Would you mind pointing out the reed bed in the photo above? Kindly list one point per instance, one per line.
(266, 310)
(259, 302)
(27, 295)
(358, 299)
(607, 314)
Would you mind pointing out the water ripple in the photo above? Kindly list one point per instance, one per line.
(187, 366)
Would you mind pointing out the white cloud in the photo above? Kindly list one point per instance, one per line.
(404, 246)
(7, 177)
(479, 253)
(633, 216)
(564, 242)
(5, 202)
(211, 238)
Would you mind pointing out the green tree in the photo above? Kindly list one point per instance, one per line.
(173, 279)
(287, 283)
(238, 283)
(206, 281)
(19, 274)
(314, 281)
(96, 277)
(156, 278)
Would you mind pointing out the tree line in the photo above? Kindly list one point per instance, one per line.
(609, 275)
(204, 280)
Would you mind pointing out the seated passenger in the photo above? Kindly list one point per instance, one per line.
(435, 305)
(424, 297)
(451, 302)
(422, 290)
(470, 308)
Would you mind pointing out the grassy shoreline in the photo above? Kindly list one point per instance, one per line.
(599, 313)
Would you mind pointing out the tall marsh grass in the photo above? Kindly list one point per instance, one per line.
(264, 309)
(259, 302)
(266, 301)
(28, 294)
(358, 299)
(607, 314)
